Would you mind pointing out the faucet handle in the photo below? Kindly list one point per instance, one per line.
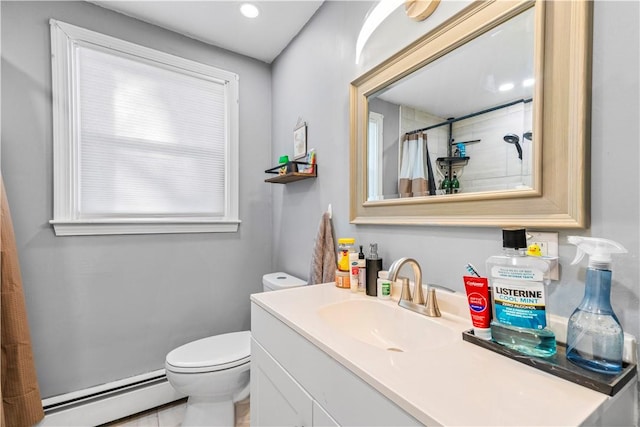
(418, 295)
(431, 306)
(406, 290)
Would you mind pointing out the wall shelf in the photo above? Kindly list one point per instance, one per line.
(290, 176)
(452, 160)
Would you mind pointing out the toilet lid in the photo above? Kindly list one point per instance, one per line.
(211, 354)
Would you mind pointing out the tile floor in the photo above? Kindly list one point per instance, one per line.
(170, 415)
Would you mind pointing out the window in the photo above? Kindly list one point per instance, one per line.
(374, 156)
(144, 141)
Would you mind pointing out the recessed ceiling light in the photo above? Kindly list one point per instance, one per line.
(505, 87)
(249, 10)
(528, 82)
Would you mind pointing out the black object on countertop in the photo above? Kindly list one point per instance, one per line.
(559, 366)
(374, 265)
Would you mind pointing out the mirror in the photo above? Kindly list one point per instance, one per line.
(446, 86)
(474, 130)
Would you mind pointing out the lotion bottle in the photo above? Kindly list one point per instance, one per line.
(354, 273)
(362, 271)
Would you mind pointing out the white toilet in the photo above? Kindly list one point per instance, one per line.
(214, 371)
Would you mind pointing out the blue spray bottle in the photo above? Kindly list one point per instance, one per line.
(594, 334)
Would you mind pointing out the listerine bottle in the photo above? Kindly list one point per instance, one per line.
(518, 294)
(594, 335)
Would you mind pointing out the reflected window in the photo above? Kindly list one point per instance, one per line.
(375, 150)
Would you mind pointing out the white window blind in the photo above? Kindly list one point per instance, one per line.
(151, 139)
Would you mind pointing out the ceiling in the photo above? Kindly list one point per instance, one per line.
(476, 71)
(219, 22)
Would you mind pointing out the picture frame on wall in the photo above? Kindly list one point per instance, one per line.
(300, 141)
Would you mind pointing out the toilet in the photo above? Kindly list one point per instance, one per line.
(214, 371)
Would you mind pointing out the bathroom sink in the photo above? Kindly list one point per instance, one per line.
(386, 326)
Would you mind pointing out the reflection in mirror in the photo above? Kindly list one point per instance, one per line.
(548, 187)
(460, 124)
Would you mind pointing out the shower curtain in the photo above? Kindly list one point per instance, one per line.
(21, 401)
(415, 178)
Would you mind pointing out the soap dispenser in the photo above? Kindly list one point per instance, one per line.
(595, 338)
(374, 265)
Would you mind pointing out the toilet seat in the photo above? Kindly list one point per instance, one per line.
(211, 354)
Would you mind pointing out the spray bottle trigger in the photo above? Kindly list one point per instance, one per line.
(579, 256)
(575, 240)
(599, 250)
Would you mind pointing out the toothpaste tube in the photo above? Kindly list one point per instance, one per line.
(477, 289)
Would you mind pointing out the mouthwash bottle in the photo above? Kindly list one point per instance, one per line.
(519, 297)
(595, 338)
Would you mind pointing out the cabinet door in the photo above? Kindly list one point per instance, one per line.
(276, 398)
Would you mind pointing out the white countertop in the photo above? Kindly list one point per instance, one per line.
(455, 384)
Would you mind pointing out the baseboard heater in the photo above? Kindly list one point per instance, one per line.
(109, 402)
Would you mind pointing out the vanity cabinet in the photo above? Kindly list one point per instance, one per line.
(294, 383)
(280, 400)
(321, 358)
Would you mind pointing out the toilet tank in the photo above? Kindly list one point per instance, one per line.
(280, 280)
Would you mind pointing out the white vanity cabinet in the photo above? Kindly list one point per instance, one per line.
(294, 383)
(325, 356)
(279, 399)
(276, 398)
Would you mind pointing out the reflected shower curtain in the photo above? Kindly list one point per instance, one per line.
(415, 178)
(21, 401)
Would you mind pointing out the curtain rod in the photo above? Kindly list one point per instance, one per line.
(468, 116)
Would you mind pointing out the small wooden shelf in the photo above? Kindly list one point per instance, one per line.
(290, 176)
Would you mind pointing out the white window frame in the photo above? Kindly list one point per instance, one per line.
(65, 39)
(375, 151)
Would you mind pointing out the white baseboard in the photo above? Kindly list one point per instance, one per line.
(96, 410)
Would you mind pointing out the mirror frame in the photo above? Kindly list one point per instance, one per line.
(561, 115)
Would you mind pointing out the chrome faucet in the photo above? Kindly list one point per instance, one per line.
(417, 302)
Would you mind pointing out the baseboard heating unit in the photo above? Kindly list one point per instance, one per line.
(109, 402)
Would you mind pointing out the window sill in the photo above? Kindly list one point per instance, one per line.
(142, 226)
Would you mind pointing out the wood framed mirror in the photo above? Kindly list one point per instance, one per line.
(550, 188)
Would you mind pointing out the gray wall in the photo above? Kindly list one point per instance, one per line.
(108, 307)
(311, 78)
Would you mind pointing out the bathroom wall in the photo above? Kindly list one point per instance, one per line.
(311, 79)
(493, 157)
(102, 308)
